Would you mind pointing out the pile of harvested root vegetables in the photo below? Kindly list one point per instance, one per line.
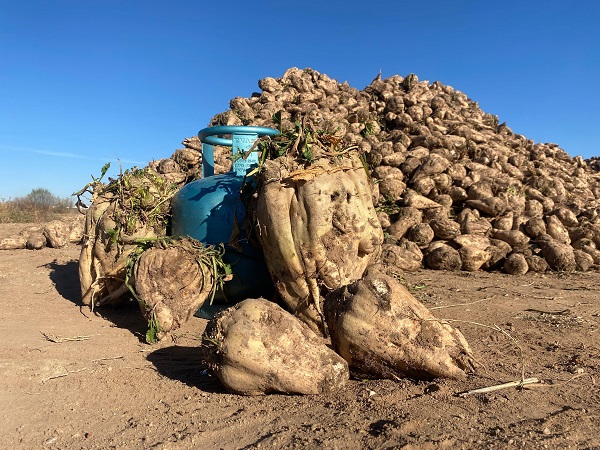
(358, 187)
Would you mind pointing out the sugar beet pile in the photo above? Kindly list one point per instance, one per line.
(454, 189)
(358, 187)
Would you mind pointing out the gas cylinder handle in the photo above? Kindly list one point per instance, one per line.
(242, 139)
(209, 135)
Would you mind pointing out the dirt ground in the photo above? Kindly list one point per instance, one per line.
(100, 386)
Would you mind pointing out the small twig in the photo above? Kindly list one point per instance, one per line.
(82, 313)
(59, 339)
(62, 375)
(508, 335)
(553, 313)
(54, 377)
(397, 378)
(497, 387)
(44, 292)
(463, 304)
(340, 153)
(489, 287)
(107, 359)
(545, 297)
(151, 369)
(562, 383)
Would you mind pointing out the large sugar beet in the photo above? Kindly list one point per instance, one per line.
(256, 347)
(516, 264)
(13, 242)
(440, 256)
(36, 241)
(406, 219)
(317, 227)
(383, 331)
(172, 280)
(560, 256)
(405, 255)
(57, 233)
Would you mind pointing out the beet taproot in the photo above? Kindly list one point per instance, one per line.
(384, 332)
(256, 347)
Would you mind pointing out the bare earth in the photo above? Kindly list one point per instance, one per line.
(103, 387)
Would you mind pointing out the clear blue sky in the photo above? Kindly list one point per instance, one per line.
(84, 82)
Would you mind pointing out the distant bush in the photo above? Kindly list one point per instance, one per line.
(40, 205)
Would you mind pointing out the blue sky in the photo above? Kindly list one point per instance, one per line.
(86, 82)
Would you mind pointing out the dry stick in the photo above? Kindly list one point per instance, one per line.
(532, 382)
(562, 383)
(508, 335)
(340, 153)
(44, 292)
(59, 339)
(62, 375)
(463, 304)
(107, 359)
(82, 313)
(497, 387)
(552, 313)
(54, 377)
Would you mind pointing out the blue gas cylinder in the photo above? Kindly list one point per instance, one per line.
(207, 210)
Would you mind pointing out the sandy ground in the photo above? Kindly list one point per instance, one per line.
(100, 386)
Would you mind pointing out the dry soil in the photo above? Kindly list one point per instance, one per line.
(73, 378)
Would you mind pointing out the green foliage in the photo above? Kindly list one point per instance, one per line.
(388, 206)
(154, 329)
(516, 191)
(40, 205)
(369, 129)
(89, 188)
(302, 141)
(142, 198)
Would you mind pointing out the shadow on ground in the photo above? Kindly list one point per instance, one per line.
(176, 362)
(127, 315)
(185, 364)
(66, 280)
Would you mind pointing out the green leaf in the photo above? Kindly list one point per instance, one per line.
(151, 336)
(277, 119)
(113, 234)
(153, 330)
(104, 169)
